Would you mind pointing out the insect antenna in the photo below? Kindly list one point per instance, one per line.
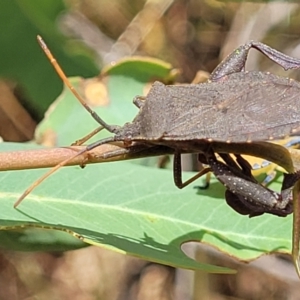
(96, 117)
(58, 166)
(62, 75)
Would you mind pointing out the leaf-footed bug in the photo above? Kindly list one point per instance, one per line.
(261, 166)
(187, 118)
(244, 193)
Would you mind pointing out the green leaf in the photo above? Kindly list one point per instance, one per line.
(138, 210)
(38, 239)
(129, 207)
(122, 82)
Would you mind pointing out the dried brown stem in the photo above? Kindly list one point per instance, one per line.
(45, 158)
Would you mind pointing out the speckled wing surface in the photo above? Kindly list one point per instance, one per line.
(242, 107)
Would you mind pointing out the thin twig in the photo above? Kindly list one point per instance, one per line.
(45, 158)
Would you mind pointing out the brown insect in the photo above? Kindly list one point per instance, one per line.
(188, 118)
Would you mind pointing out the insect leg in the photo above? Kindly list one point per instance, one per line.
(139, 101)
(288, 183)
(61, 164)
(163, 161)
(203, 161)
(229, 161)
(240, 206)
(255, 197)
(87, 137)
(177, 172)
(236, 201)
(235, 62)
(244, 164)
(206, 182)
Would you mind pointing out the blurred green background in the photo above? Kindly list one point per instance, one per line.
(87, 35)
(191, 35)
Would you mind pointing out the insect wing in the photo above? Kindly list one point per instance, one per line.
(244, 107)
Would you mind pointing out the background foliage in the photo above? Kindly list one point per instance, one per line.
(156, 217)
